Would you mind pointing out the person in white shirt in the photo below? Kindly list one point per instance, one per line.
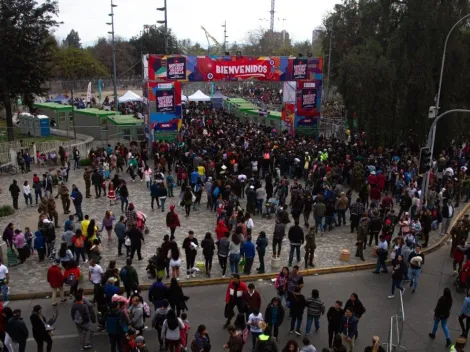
(94, 275)
(4, 278)
(27, 193)
(382, 252)
(254, 320)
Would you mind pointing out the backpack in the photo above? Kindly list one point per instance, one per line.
(169, 218)
(77, 317)
(216, 192)
(71, 280)
(194, 346)
(123, 273)
(146, 310)
(79, 243)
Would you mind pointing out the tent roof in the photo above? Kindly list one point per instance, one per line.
(199, 96)
(129, 96)
(59, 98)
(218, 95)
(184, 97)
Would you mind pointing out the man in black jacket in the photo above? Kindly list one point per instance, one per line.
(334, 316)
(136, 237)
(97, 180)
(190, 245)
(15, 192)
(405, 203)
(17, 330)
(296, 239)
(40, 333)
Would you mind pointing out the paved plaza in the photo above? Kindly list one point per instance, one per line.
(31, 276)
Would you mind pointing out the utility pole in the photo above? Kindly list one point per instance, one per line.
(225, 37)
(165, 23)
(329, 64)
(116, 102)
(73, 115)
(272, 12)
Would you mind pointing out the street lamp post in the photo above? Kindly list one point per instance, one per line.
(164, 22)
(116, 102)
(432, 133)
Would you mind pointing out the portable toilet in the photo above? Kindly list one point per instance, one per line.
(41, 126)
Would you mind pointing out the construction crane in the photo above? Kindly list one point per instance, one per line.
(209, 39)
(272, 12)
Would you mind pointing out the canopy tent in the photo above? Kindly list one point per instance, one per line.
(129, 96)
(199, 96)
(217, 99)
(58, 99)
(184, 97)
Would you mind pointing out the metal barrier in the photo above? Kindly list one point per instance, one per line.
(397, 323)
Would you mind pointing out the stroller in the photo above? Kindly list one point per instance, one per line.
(270, 207)
(141, 219)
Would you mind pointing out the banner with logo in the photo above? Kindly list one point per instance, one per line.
(176, 68)
(88, 93)
(165, 100)
(309, 98)
(300, 69)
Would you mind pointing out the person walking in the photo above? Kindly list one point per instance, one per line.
(261, 245)
(171, 334)
(356, 210)
(310, 246)
(223, 252)
(319, 210)
(248, 252)
(349, 328)
(77, 199)
(375, 347)
(235, 341)
(297, 306)
(40, 333)
(441, 314)
(234, 253)
(17, 330)
(361, 238)
(120, 231)
(356, 307)
(190, 245)
(254, 320)
(274, 316)
(334, 317)
(107, 223)
(94, 275)
(251, 300)
(27, 194)
(315, 309)
(115, 326)
(465, 315)
(296, 239)
(81, 317)
(208, 248)
(416, 260)
(15, 193)
(187, 200)
(55, 278)
(124, 195)
(137, 238)
(154, 192)
(129, 277)
(398, 275)
(278, 236)
(234, 298)
(172, 221)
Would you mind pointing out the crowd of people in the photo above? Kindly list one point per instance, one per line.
(241, 171)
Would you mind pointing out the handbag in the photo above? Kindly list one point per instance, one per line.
(127, 241)
(193, 197)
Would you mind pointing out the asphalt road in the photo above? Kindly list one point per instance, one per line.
(206, 307)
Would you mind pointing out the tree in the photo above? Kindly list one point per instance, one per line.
(73, 63)
(27, 49)
(72, 40)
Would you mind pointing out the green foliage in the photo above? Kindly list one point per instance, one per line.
(72, 40)
(84, 162)
(27, 50)
(386, 58)
(6, 210)
(74, 63)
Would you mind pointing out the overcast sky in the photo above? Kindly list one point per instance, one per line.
(185, 17)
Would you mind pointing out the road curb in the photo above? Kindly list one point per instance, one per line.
(267, 276)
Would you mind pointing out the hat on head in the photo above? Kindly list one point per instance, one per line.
(46, 221)
(372, 173)
(140, 339)
(112, 280)
(252, 187)
(172, 207)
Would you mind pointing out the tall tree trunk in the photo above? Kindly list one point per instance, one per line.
(7, 105)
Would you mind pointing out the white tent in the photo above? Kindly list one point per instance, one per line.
(199, 96)
(129, 96)
(184, 97)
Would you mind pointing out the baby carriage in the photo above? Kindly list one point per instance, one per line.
(141, 219)
(270, 207)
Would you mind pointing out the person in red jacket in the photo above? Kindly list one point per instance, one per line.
(56, 280)
(234, 298)
(251, 300)
(221, 229)
(172, 221)
(381, 181)
(375, 195)
(372, 179)
(71, 277)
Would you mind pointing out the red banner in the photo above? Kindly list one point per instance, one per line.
(241, 69)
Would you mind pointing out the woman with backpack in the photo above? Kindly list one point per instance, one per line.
(171, 333)
(78, 241)
(72, 277)
(172, 221)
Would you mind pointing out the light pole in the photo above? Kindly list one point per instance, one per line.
(329, 64)
(432, 133)
(116, 102)
(164, 22)
(225, 36)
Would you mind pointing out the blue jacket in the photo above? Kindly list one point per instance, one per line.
(38, 240)
(194, 176)
(154, 190)
(114, 321)
(349, 326)
(465, 307)
(109, 291)
(157, 293)
(248, 249)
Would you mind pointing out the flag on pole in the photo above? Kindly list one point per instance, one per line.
(88, 93)
(100, 88)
